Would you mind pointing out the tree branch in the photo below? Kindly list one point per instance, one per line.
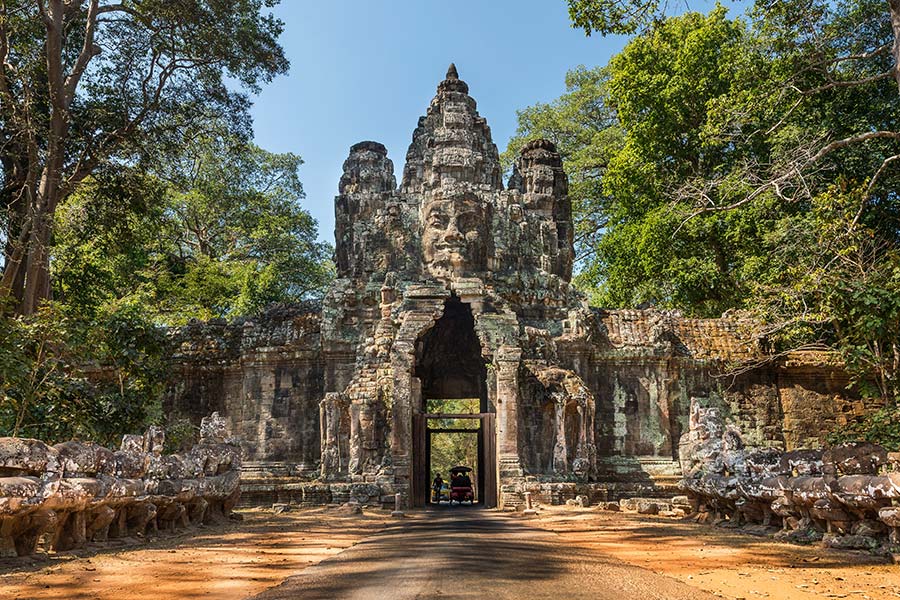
(4, 55)
(793, 170)
(884, 165)
(88, 51)
(42, 11)
(855, 82)
(854, 139)
(110, 8)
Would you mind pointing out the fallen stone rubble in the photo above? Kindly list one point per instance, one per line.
(845, 496)
(74, 493)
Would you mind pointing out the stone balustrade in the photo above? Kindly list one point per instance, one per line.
(846, 496)
(74, 493)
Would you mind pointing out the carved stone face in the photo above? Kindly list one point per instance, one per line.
(540, 180)
(454, 236)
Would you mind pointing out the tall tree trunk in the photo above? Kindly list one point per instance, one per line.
(49, 192)
(36, 271)
(13, 198)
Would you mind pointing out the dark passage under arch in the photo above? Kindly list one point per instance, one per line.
(450, 367)
(448, 358)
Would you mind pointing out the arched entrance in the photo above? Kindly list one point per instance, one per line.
(453, 403)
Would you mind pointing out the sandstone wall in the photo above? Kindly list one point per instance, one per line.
(645, 367)
(266, 376)
(815, 399)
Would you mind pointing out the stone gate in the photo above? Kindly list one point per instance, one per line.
(451, 286)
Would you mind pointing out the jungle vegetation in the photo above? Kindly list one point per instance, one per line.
(743, 161)
(133, 198)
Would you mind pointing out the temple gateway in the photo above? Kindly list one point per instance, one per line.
(452, 286)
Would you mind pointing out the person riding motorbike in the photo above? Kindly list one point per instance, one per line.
(436, 486)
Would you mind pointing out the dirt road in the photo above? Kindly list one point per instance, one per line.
(728, 563)
(471, 553)
(458, 553)
(222, 563)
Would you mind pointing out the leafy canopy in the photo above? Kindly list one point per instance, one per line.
(747, 163)
(219, 232)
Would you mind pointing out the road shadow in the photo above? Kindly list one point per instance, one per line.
(460, 552)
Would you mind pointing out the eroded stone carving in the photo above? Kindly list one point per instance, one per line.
(840, 495)
(452, 286)
(449, 242)
(80, 492)
(454, 239)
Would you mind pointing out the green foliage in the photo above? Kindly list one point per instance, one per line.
(452, 449)
(449, 449)
(61, 378)
(87, 86)
(879, 427)
(629, 134)
(587, 135)
(754, 165)
(181, 434)
(218, 233)
(614, 16)
(839, 284)
(456, 406)
(124, 158)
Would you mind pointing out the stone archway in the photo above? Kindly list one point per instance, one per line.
(451, 372)
(448, 360)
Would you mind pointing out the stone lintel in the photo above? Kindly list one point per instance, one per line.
(509, 354)
(426, 291)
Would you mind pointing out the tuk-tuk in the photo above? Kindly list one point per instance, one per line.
(461, 489)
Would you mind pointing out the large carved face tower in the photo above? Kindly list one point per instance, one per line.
(451, 164)
(455, 235)
(451, 246)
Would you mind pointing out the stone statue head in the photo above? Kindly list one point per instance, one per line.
(455, 235)
(213, 429)
(367, 169)
(539, 174)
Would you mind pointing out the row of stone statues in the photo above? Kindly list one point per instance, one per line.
(845, 495)
(79, 492)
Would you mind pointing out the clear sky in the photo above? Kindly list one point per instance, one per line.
(366, 70)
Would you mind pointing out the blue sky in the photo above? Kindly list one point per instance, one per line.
(366, 70)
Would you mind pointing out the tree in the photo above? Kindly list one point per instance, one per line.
(216, 232)
(812, 54)
(93, 84)
(631, 132)
(808, 19)
(791, 169)
(838, 284)
(63, 378)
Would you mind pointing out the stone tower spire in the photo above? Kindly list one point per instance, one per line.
(452, 146)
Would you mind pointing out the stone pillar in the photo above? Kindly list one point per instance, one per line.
(560, 447)
(507, 362)
(510, 473)
(404, 393)
(402, 360)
